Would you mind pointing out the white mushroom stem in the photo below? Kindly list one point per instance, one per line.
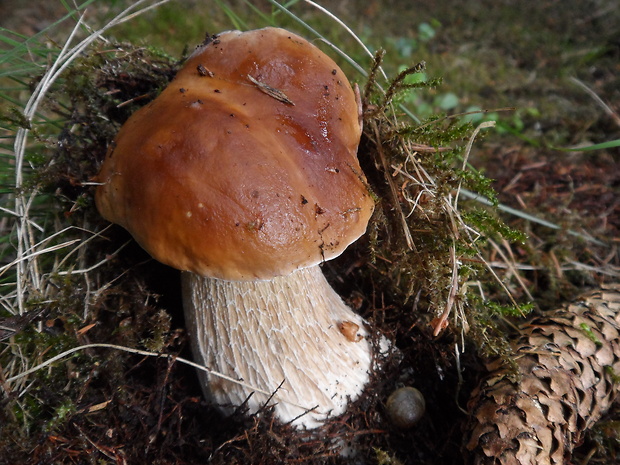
(292, 336)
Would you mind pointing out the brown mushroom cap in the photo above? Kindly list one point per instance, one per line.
(222, 176)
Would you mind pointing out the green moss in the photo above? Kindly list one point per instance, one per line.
(160, 324)
(61, 414)
(421, 243)
(384, 458)
(518, 311)
(487, 222)
(587, 330)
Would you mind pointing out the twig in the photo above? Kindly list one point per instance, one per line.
(440, 323)
(395, 201)
(511, 267)
(470, 143)
(271, 91)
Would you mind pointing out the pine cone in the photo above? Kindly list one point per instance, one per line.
(567, 366)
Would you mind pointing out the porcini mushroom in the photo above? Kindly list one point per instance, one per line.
(243, 173)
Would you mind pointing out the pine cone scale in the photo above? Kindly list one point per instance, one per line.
(566, 364)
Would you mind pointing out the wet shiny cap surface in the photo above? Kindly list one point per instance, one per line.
(245, 166)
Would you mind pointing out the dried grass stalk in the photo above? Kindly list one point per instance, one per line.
(567, 364)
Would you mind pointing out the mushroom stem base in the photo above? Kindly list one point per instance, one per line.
(291, 339)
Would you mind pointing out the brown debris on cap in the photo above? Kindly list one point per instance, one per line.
(219, 177)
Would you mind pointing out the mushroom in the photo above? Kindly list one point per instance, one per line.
(243, 174)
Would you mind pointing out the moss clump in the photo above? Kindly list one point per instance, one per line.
(103, 88)
(423, 240)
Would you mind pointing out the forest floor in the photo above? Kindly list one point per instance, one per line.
(547, 72)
